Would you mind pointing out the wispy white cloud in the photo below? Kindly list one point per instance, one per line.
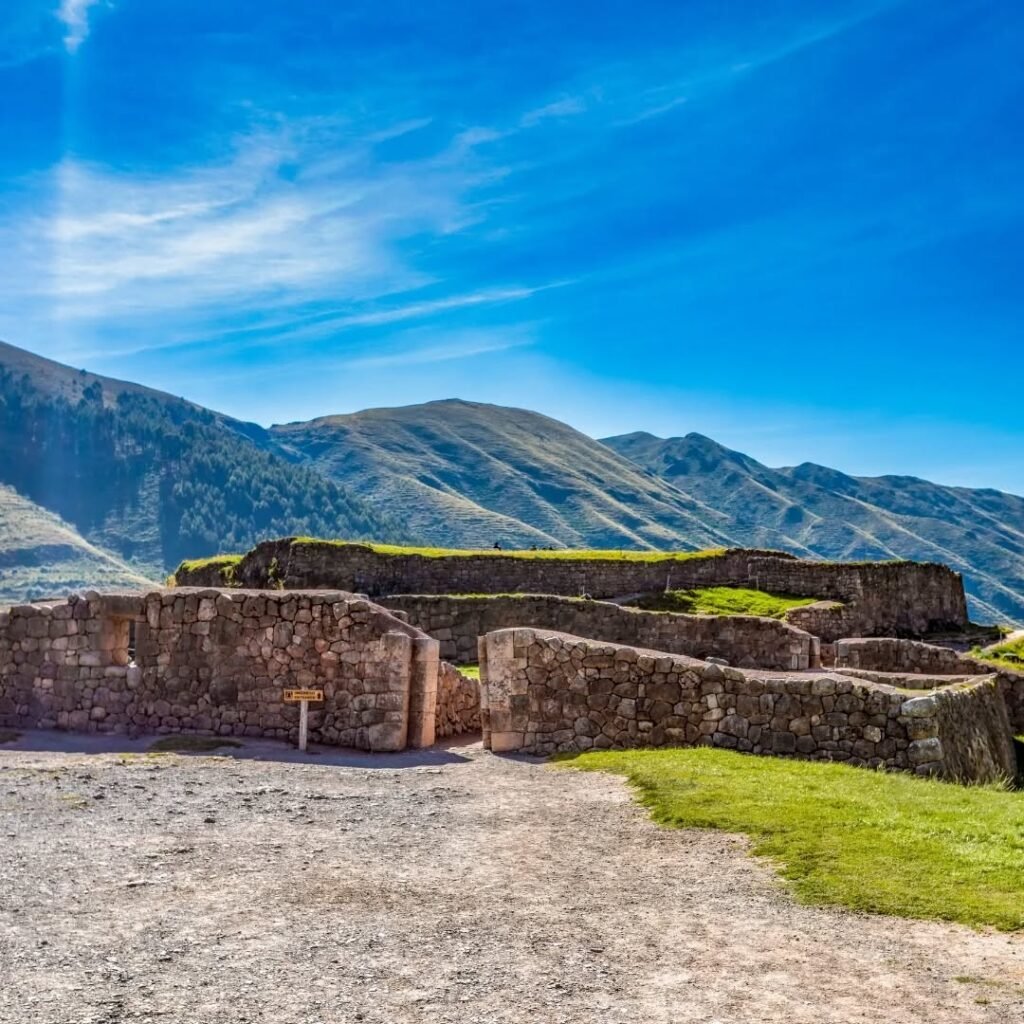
(74, 14)
(299, 234)
(454, 346)
(118, 242)
(565, 107)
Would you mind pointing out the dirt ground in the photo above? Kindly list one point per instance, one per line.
(444, 886)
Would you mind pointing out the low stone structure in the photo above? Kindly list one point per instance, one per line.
(909, 663)
(216, 662)
(742, 640)
(904, 656)
(543, 692)
(856, 599)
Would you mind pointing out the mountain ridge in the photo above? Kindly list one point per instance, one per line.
(148, 479)
(822, 512)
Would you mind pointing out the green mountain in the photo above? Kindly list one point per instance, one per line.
(150, 478)
(469, 475)
(815, 511)
(104, 477)
(41, 556)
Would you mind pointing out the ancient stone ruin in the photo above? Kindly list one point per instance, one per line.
(545, 692)
(217, 663)
(839, 679)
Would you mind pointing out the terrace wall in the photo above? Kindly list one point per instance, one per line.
(543, 691)
(874, 599)
(890, 655)
(457, 622)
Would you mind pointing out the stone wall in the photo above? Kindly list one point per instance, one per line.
(543, 691)
(874, 599)
(744, 641)
(215, 662)
(966, 730)
(909, 659)
(458, 703)
(907, 656)
(905, 680)
(1012, 684)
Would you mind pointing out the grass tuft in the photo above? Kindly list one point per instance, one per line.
(225, 564)
(182, 744)
(724, 601)
(9, 736)
(867, 841)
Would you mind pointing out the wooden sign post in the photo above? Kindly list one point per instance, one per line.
(302, 698)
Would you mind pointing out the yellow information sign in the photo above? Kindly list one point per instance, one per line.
(297, 695)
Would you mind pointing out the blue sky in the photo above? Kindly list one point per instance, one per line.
(793, 226)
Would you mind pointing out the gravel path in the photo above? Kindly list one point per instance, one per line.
(447, 886)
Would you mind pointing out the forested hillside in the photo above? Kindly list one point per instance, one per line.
(154, 478)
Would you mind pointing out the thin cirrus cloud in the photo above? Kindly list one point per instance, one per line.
(456, 345)
(95, 242)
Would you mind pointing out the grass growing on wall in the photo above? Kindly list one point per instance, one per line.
(224, 563)
(560, 554)
(724, 601)
(849, 837)
(1009, 655)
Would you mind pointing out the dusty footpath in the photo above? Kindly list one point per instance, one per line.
(443, 886)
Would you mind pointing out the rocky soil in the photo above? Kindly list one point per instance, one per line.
(444, 886)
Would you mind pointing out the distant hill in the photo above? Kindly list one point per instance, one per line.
(41, 556)
(143, 479)
(813, 510)
(465, 474)
(151, 478)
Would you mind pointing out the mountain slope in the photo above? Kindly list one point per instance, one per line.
(813, 510)
(468, 474)
(153, 478)
(40, 555)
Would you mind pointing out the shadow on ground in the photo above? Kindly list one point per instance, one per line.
(450, 751)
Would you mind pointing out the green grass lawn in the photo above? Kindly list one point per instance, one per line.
(472, 671)
(724, 601)
(1009, 655)
(560, 554)
(868, 841)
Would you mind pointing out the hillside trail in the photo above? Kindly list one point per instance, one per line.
(447, 885)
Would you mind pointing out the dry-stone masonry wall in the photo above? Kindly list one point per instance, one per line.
(458, 703)
(216, 662)
(905, 680)
(867, 599)
(1012, 684)
(543, 691)
(965, 728)
(745, 641)
(909, 663)
(909, 656)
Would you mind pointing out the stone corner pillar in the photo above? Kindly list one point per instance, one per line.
(423, 682)
(502, 663)
(392, 734)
